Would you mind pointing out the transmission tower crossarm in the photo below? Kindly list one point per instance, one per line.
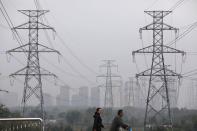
(109, 75)
(24, 48)
(38, 26)
(157, 72)
(38, 12)
(18, 49)
(150, 49)
(110, 65)
(47, 49)
(158, 13)
(22, 72)
(154, 26)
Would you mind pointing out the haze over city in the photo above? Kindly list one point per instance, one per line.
(88, 32)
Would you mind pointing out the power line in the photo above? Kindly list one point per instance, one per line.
(189, 29)
(152, 4)
(76, 71)
(18, 38)
(38, 5)
(176, 5)
(61, 86)
(144, 53)
(10, 24)
(51, 63)
(58, 68)
(191, 71)
(75, 56)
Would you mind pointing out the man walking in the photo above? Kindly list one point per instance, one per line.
(118, 122)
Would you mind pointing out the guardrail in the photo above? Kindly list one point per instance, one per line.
(21, 124)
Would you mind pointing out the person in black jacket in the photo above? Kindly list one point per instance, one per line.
(118, 122)
(97, 120)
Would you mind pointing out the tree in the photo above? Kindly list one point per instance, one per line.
(4, 112)
(73, 117)
(68, 128)
(88, 116)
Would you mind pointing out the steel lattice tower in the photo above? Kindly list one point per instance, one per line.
(33, 72)
(109, 64)
(158, 115)
(131, 94)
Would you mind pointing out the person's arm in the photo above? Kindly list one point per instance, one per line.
(100, 122)
(96, 122)
(95, 125)
(102, 125)
(123, 125)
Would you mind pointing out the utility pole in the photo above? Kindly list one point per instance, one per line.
(33, 72)
(108, 65)
(131, 91)
(158, 116)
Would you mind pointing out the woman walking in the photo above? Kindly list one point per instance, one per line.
(97, 120)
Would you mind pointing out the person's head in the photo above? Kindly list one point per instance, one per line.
(98, 110)
(120, 113)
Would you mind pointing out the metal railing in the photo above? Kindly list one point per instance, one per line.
(21, 124)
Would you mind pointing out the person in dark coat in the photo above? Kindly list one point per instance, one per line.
(98, 125)
(118, 122)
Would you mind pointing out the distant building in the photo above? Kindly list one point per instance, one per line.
(126, 95)
(63, 98)
(48, 100)
(95, 97)
(75, 101)
(173, 92)
(84, 95)
(81, 99)
(133, 94)
(189, 95)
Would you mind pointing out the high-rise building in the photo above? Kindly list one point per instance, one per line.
(95, 97)
(63, 98)
(76, 101)
(173, 92)
(80, 99)
(190, 94)
(133, 93)
(48, 100)
(84, 95)
(126, 95)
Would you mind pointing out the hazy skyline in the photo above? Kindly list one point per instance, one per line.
(95, 30)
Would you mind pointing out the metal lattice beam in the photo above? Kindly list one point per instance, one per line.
(33, 72)
(158, 115)
(109, 64)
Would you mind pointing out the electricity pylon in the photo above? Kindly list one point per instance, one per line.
(33, 72)
(131, 92)
(158, 115)
(109, 64)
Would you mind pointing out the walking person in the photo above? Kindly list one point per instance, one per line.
(118, 122)
(98, 125)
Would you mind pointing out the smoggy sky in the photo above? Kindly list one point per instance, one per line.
(95, 30)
